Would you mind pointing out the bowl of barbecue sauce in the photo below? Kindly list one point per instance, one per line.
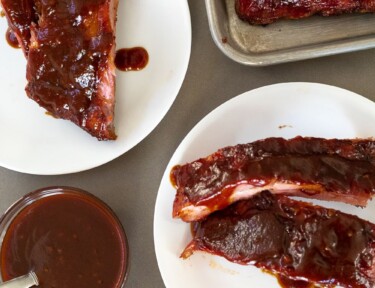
(67, 236)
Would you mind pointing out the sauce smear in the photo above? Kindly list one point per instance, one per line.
(68, 241)
(289, 283)
(12, 39)
(131, 59)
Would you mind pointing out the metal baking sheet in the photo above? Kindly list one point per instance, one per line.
(287, 40)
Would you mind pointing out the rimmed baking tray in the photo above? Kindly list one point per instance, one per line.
(287, 40)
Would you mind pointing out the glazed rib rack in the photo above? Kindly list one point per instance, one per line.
(327, 169)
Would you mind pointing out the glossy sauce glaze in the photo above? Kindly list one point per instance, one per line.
(70, 69)
(326, 169)
(287, 237)
(68, 241)
(131, 59)
(285, 282)
(20, 14)
(12, 39)
(268, 11)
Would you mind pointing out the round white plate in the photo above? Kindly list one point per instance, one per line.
(281, 110)
(32, 142)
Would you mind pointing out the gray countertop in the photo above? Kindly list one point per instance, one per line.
(129, 184)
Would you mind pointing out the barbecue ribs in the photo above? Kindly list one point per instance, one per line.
(326, 169)
(293, 239)
(70, 48)
(268, 11)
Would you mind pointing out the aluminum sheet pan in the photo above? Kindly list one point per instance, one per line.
(287, 40)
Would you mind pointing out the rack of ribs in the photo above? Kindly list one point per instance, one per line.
(326, 169)
(268, 11)
(293, 239)
(70, 48)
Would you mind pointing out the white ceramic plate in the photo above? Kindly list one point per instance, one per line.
(281, 110)
(35, 143)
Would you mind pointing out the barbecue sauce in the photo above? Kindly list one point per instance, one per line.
(68, 241)
(131, 59)
(321, 169)
(290, 238)
(285, 282)
(70, 65)
(12, 39)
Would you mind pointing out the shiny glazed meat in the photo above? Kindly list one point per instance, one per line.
(291, 238)
(268, 11)
(20, 15)
(327, 169)
(70, 46)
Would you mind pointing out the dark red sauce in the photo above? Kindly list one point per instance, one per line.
(68, 241)
(287, 237)
(12, 39)
(284, 282)
(131, 59)
(326, 169)
(289, 283)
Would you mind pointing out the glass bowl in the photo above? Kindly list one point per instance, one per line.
(20, 211)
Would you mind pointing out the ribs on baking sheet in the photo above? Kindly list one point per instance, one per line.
(325, 169)
(268, 11)
(70, 48)
(293, 239)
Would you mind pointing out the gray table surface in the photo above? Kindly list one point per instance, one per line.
(130, 183)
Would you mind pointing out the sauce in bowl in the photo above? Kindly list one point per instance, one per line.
(68, 237)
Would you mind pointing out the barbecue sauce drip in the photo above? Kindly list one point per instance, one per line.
(131, 59)
(68, 241)
(12, 39)
(285, 282)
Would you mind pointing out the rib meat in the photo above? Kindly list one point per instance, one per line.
(70, 70)
(268, 11)
(291, 238)
(326, 169)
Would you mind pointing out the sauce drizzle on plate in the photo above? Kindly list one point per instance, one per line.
(131, 59)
